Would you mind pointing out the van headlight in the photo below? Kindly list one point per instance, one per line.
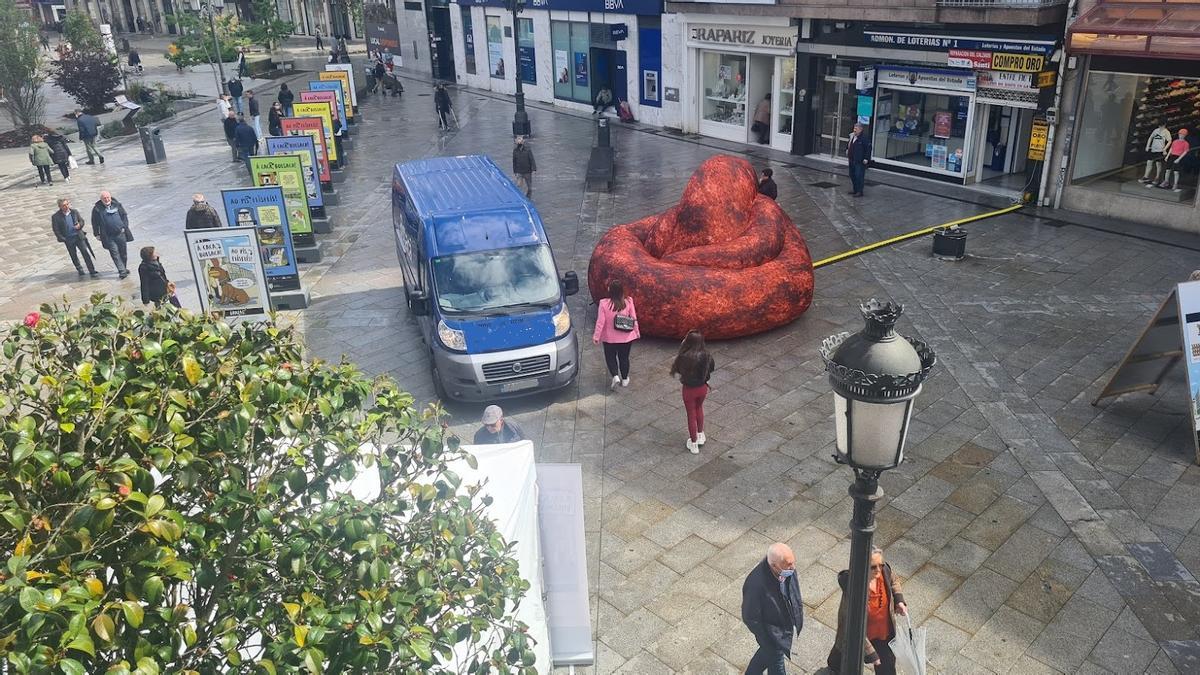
(562, 321)
(452, 338)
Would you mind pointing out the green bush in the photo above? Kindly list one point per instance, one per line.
(159, 107)
(81, 32)
(168, 506)
(113, 129)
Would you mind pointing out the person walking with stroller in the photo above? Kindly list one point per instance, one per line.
(694, 365)
(443, 105)
(68, 229)
(616, 329)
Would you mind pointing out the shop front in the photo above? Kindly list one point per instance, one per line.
(1135, 151)
(565, 51)
(957, 108)
(741, 79)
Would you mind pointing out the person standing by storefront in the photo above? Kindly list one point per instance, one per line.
(858, 151)
(762, 120)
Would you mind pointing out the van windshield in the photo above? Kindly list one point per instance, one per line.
(484, 281)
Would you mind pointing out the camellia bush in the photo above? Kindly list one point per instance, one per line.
(171, 504)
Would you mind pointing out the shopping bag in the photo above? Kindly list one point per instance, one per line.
(71, 163)
(909, 648)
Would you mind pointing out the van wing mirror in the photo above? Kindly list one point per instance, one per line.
(418, 303)
(570, 283)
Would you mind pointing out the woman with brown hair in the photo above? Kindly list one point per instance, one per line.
(694, 365)
(885, 598)
(616, 329)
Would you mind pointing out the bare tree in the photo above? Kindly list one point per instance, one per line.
(21, 73)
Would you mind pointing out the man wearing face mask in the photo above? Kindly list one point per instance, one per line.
(772, 609)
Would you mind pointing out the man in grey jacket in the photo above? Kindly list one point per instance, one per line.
(110, 223)
(89, 130)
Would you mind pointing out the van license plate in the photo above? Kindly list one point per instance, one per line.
(519, 385)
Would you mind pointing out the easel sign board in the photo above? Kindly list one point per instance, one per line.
(1189, 310)
(1172, 335)
(229, 273)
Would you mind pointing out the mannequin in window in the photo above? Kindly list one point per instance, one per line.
(1175, 153)
(1156, 148)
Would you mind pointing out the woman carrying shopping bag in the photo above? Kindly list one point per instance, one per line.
(694, 365)
(616, 329)
(60, 153)
(885, 599)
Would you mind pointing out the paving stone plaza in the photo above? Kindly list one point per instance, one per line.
(1034, 532)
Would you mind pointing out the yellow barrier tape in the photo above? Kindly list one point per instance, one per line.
(917, 233)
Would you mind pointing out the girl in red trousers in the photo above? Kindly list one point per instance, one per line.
(616, 329)
(694, 365)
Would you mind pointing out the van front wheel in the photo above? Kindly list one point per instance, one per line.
(436, 375)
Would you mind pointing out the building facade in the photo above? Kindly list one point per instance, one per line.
(1128, 142)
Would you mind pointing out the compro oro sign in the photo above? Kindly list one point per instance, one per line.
(1018, 63)
(760, 38)
(229, 272)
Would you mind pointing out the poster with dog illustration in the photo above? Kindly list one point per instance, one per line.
(229, 273)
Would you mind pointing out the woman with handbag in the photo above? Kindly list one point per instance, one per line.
(694, 365)
(616, 328)
(885, 598)
(60, 153)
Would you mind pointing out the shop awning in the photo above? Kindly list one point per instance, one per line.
(1158, 28)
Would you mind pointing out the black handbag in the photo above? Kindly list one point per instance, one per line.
(623, 323)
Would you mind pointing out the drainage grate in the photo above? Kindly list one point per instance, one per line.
(824, 185)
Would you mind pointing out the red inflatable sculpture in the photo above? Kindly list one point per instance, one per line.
(725, 259)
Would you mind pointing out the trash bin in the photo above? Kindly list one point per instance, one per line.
(152, 145)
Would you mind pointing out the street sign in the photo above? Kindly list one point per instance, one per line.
(1038, 135)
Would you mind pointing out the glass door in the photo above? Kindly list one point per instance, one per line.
(838, 114)
(785, 103)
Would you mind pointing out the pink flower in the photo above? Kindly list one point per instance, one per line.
(32, 318)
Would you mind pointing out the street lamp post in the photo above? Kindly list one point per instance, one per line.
(876, 374)
(520, 123)
(210, 8)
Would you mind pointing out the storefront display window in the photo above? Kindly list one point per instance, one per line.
(787, 95)
(495, 39)
(724, 82)
(572, 76)
(1129, 136)
(525, 53)
(468, 40)
(924, 129)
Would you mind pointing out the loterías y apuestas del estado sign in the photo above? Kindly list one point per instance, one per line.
(766, 37)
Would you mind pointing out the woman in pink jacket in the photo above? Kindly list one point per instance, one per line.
(616, 328)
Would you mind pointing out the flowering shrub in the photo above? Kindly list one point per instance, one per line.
(168, 505)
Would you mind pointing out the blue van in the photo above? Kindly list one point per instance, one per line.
(481, 280)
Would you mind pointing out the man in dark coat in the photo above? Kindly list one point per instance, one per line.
(89, 129)
(772, 609)
(68, 228)
(767, 186)
(441, 103)
(235, 90)
(202, 215)
(858, 151)
(110, 223)
(230, 123)
(524, 165)
(247, 140)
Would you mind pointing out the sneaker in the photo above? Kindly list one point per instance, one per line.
(102, 159)
(1149, 184)
(94, 273)
(693, 447)
(625, 382)
(615, 381)
(700, 438)
(1176, 189)
(68, 179)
